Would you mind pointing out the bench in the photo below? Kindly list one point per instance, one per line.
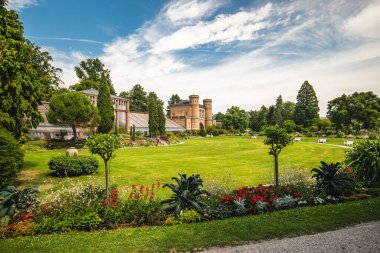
(348, 143)
(322, 141)
(297, 139)
(254, 137)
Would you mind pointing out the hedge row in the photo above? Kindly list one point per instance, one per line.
(73, 165)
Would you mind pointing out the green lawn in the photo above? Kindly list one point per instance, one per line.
(285, 223)
(247, 160)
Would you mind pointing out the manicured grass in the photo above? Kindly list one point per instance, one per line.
(286, 223)
(246, 160)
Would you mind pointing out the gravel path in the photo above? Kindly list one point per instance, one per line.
(359, 238)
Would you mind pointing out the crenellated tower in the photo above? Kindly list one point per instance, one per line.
(207, 103)
(194, 102)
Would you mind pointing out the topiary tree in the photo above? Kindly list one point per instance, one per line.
(11, 158)
(277, 139)
(105, 146)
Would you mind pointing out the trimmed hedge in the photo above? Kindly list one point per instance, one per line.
(11, 158)
(73, 165)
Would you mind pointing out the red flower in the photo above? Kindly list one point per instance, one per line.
(275, 196)
(45, 208)
(348, 170)
(134, 187)
(296, 194)
(142, 188)
(11, 226)
(158, 184)
(130, 196)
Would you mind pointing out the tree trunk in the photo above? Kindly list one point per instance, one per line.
(276, 171)
(75, 134)
(106, 170)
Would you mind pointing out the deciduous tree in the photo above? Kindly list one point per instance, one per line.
(236, 119)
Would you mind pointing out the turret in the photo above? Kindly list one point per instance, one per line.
(207, 103)
(194, 101)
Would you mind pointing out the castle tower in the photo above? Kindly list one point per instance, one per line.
(207, 103)
(194, 101)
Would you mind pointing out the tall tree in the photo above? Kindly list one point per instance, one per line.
(360, 108)
(254, 122)
(26, 76)
(124, 94)
(277, 139)
(156, 115)
(271, 116)
(236, 119)
(105, 107)
(288, 110)
(138, 99)
(307, 105)
(91, 72)
(72, 109)
(279, 107)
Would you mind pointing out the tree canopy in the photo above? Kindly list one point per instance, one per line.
(72, 109)
(91, 72)
(174, 99)
(361, 108)
(26, 75)
(138, 99)
(236, 119)
(306, 108)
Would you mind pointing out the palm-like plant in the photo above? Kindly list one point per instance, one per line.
(331, 180)
(185, 194)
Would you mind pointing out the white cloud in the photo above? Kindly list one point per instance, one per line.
(366, 23)
(185, 11)
(224, 29)
(18, 5)
(283, 45)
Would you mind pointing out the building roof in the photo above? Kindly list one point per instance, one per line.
(140, 120)
(185, 103)
(96, 93)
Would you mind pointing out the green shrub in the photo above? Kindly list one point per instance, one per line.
(74, 165)
(364, 159)
(189, 216)
(332, 180)
(34, 146)
(55, 224)
(170, 221)
(14, 202)
(185, 194)
(357, 196)
(11, 158)
(88, 221)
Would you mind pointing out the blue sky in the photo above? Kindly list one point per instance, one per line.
(243, 53)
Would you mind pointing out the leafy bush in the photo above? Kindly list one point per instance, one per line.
(189, 216)
(63, 144)
(11, 158)
(331, 179)
(170, 221)
(74, 165)
(185, 194)
(13, 202)
(364, 159)
(88, 221)
(34, 146)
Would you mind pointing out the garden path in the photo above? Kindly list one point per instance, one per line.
(359, 238)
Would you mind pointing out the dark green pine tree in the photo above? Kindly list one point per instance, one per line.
(279, 111)
(161, 117)
(105, 108)
(307, 105)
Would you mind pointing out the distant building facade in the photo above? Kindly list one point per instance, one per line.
(190, 114)
(123, 119)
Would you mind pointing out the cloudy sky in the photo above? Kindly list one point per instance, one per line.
(242, 52)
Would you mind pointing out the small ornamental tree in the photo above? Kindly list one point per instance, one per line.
(277, 139)
(105, 146)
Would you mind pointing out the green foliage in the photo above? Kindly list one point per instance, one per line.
(138, 99)
(105, 107)
(14, 202)
(88, 221)
(359, 110)
(331, 179)
(277, 139)
(66, 166)
(174, 99)
(236, 119)
(156, 115)
(26, 76)
(185, 194)
(189, 216)
(11, 158)
(289, 126)
(364, 159)
(104, 145)
(92, 73)
(306, 108)
(170, 221)
(72, 109)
